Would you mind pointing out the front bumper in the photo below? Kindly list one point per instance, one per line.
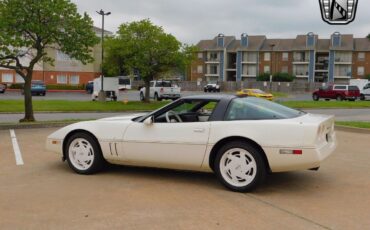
(170, 96)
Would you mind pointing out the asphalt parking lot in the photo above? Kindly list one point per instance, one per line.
(44, 193)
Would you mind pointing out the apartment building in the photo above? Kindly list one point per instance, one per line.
(308, 57)
(65, 71)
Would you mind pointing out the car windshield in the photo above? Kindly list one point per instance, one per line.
(252, 108)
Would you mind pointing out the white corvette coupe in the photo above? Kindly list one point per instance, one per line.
(241, 139)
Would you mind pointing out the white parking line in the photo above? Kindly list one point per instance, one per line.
(17, 151)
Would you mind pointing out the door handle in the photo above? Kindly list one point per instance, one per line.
(200, 130)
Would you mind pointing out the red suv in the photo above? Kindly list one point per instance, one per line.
(338, 92)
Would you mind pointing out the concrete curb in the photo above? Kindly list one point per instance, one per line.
(35, 126)
(55, 90)
(351, 129)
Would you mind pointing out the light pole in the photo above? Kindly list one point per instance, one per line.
(101, 95)
(272, 50)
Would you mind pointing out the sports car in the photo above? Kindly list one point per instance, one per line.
(240, 139)
(255, 93)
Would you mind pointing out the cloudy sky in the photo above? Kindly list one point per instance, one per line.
(193, 20)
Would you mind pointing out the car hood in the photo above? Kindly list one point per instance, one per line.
(122, 118)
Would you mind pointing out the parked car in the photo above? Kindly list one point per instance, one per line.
(2, 88)
(212, 87)
(364, 86)
(110, 88)
(89, 87)
(238, 138)
(255, 93)
(338, 92)
(37, 88)
(162, 89)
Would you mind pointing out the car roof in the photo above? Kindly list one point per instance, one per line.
(211, 97)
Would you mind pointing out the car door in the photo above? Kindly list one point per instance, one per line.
(171, 145)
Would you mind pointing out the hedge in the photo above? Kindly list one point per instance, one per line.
(58, 87)
(277, 77)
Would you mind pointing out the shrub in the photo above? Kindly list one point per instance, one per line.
(368, 77)
(16, 86)
(282, 77)
(263, 77)
(66, 87)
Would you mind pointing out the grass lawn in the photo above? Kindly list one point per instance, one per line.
(12, 106)
(79, 106)
(355, 124)
(279, 94)
(326, 104)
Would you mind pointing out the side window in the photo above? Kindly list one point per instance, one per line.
(152, 84)
(340, 87)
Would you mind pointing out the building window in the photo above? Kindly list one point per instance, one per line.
(267, 57)
(266, 69)
(61, 79)
(360, 71)
(74, 80)
(7, 78)
(284, 69)
(213, 69)
(200, 69)
(61, 56)
(213, 56)
(361, 56)
(200, 55)
(19, 79)
(285, 56)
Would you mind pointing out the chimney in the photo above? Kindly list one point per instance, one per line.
(336, 39)
(220, 40)
(244, 40)
(310, 40)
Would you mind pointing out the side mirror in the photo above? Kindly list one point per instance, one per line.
(149, 121)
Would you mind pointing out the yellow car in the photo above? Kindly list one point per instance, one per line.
(255, 93)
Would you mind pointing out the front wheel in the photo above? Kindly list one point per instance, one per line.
(83, 154)
(240, 166)
(142, 97)
(362, 97)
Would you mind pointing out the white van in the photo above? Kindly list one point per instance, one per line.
(364, 86)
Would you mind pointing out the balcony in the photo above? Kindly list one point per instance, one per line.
(212, 60)
(343, 61)
(301, 60)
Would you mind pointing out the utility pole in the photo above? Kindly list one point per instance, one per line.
(272, 50)
(102, 96)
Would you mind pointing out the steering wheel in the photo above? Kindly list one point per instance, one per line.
(178, 118)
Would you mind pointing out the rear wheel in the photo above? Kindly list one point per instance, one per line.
(339, 98)
(240, 166)
(315, 97)
(83, 154)
(362, 97)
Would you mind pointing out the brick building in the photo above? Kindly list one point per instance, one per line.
(66, 71)
(308, 57)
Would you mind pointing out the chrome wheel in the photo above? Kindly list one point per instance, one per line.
(238, 167)
(81, 154)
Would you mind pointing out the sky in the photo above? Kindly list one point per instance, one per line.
(193, 20)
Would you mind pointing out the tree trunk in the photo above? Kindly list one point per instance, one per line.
(147, 90)
(28, 109)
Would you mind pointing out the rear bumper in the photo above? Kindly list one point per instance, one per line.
(171, 96)
(310, 158)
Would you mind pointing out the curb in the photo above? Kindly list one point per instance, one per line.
(35, 126)
(351, 129)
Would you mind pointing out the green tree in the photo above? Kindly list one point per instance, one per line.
(146, 49)
(28, 28)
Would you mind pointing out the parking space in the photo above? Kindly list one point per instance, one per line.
(45, 194)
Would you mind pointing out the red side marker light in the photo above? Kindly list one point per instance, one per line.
(297, 152)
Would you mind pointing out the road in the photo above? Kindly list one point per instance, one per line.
(340, 115)
(45, 194)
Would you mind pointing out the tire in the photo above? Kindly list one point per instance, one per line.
(339, 98)
(142, 98)
(362, 97)
(93, 161)
(315, 97)
(327, 99)
(205, 90)
(232, 152)
(44, 94)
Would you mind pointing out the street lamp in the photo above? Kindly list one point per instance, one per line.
(101, 95)
(272, 49)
